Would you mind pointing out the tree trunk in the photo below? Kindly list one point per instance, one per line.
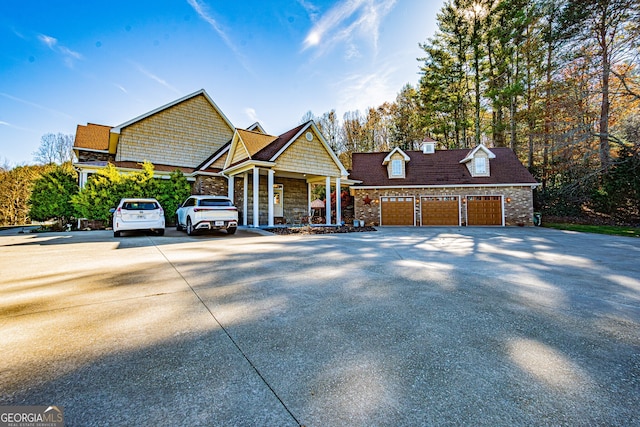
(604, 107)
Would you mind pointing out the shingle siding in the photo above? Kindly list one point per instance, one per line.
(309, 157)
(183, 135)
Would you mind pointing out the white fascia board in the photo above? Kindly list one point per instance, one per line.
(202, 173)
(296, 136)
(473, 152)
(395, 150)
(312, 125)
(220, 154)
(92, 150)
(391, 187)
(118, 128)
(258, 126)
(232, 148)
(247, 165)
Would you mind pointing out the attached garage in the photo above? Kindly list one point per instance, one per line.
(443, 210)
(397, 211)
(484, 210)
(446, 188)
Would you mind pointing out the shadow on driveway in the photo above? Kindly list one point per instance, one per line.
(405, 326)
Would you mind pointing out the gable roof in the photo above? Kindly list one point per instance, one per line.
(202, 92)
(395, 150)
(268, 153)
(442, 168)
(473, 152)
(222, 151)
(92, 137)
(254, 142)
(257, 127)
(277, 147)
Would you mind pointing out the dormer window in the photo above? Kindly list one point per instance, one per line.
(396, 163)
(477, 161)
(428, 147)
(480, 165)
(396, 167)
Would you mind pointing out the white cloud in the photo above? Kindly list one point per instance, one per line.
(156, 79)
(34, 105)
(9, 125)
(69, 56)
(48, 40)
(361, 91)
(201, 9)
(347, 22)
(251, 113)
(310, 8)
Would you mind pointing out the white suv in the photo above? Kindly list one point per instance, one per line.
(138, 214)
(207, 213)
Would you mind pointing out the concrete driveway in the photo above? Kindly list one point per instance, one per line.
(399, 327)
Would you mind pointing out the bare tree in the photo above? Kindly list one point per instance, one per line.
(54, 148)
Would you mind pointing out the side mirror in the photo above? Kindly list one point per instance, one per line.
(112, 210)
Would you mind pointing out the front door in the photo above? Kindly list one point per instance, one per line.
(278, 209)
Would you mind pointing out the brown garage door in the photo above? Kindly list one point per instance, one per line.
(440, 210)
(396, 211)
(484, 210)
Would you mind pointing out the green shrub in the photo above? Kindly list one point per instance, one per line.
(51, 196)
(104, 190)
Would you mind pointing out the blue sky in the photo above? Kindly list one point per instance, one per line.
(69, 62)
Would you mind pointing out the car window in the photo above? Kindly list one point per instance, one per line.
(140, 206)
(215, 202)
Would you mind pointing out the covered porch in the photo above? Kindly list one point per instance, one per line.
(267, 197)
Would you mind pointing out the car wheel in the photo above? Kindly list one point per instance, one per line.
(178, 226)
(160, 232)
(231, 230)
(116, 234)
(189, 227)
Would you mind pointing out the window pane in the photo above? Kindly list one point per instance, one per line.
(396, 167)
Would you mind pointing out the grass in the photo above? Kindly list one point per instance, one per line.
(599, 229)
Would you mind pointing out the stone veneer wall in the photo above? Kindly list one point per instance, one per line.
(518, 212)
(93, 156)
(294, 196)
(210, 185)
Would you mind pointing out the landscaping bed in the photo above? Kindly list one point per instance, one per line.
(319, 229)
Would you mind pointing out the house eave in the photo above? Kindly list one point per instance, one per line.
(91, 150)
(247, 165)
(118, 129)
(375, 187)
